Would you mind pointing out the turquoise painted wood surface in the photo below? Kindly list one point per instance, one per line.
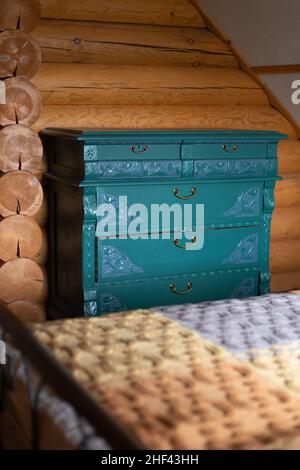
(174, 289)
(143, 258)
(233, 173)
(226, 204)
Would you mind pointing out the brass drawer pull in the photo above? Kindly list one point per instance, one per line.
(139, 148)
(230, 148)
(177, 193)
(188, 289)
(184, 247)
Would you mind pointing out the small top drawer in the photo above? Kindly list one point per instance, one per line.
(224, 150)
(133, 151)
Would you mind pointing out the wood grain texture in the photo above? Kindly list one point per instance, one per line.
(23, 102)
(22, 279)
(13, 437)
(27, 311)
(164, 117)
(134, 85)
(289, 156)
(270, 69)
(20, 149)
(166, 12)
(19, 14)
(285, 256)
(41, 169)
(20, 54)
(20, 193)
(284, 282)
(20, 236)
(42, 254)
(41, 215)
(130, 44)
(285, 223)
(287, 192)
(2, 93)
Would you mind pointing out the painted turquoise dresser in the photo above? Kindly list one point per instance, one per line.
(233, 173)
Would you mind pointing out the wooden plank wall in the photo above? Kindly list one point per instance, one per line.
(127, 63)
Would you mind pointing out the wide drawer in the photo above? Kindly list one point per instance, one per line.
(224, 203)
(133, 151)
(141, 258)
(177, 290)
(224, 149)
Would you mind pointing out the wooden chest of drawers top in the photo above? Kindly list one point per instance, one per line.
(91, 155)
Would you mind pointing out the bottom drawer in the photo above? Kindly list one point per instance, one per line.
(178, 289)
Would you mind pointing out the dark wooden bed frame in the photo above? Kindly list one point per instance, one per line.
(67, 388)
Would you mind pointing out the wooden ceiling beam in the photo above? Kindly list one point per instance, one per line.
(270, 69)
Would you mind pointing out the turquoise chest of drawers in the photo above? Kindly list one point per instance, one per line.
(143, 261)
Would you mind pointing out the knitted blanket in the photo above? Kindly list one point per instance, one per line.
(215, 375)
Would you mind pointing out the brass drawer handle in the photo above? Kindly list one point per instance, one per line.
(230, 148)
(188, 289)
(177, 193)
(139, 148)
(184, 247)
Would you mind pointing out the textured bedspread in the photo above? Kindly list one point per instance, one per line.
(215, 375)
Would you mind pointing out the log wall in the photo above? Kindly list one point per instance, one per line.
(23, 241)
(122, 63)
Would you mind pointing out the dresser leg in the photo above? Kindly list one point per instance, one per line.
(264, 282)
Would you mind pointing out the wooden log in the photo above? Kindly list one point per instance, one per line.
(284, 282)
(20, 149)
(289, 156)
(153, 85)
(42, 254)
(20, 54)
(27, 311)
(285, 256)
(20, 193)
(166, 12)
(167, 116)
(134, 44)
(19, 14)
(287, 192)
(23, 102)
(41, 169)
(13, 436)
(2, 93)
(20, 236)
(42, 214)
(285, 223)
(22, 279)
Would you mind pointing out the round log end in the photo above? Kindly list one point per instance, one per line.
(22, 279)
(19, 14)
(23, 102)
(20, 54)
(27, 311)
(20, 149)
(20, 193)
(20, 236)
